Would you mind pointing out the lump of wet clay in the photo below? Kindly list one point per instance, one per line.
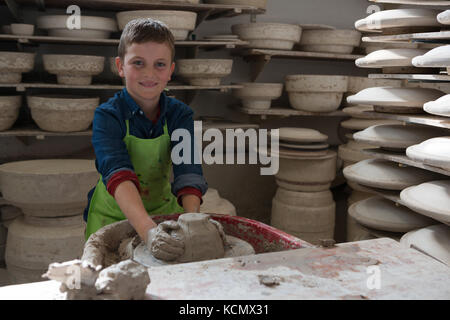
(204, 239)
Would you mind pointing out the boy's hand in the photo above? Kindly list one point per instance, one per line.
(162, 244)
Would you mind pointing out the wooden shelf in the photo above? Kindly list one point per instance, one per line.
(434, 37)
(114, 42)
(260, 57)
(422, 77)
(414, 2)
(23, 86)
(423, 119)
(287, 112)
(402, 158)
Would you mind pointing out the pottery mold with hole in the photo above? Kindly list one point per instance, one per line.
(396, 136)
(59, 113)
(383, 214)
(308, 174)
(258, 95)
(316, 93)
(48, 188)
(432, 240)
(22, 29)
(261, 4)
(389, 58)
(13, 64)
(204, 72)
(308, 215)
(439, 107)
(435, 58)
(73, 69)
(180, 23)
(91, 27)
(214, 203)
(264, 35)
(383, 174)
(430, 199)
(434, 151)
(333, 41)
(398, 18)
(9, 111)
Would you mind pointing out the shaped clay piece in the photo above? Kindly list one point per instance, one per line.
(435, 58)
(301, 135)
(444, 17)
(389, 58)
(434, 152)
(439, 107)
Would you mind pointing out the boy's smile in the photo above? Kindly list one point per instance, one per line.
(147, 67)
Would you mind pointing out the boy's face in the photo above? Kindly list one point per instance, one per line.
(147, 67)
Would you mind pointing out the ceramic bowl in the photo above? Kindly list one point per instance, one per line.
(389, 58)
(435, 58)
(204, 72)
(439, 107)
(13, 64)
(9, 111)
(434, 151)
(333, 41)
(22, 29)
(258, 95)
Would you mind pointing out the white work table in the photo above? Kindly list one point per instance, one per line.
(340, 272)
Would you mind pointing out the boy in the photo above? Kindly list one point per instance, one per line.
(131, 139)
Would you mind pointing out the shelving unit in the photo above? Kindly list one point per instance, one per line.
(414, 2)
(424, 77)
(434, 37)
(286, 112)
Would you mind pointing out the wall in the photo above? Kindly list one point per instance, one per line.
(241, 184)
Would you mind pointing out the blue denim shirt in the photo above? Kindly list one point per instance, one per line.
(109, 130)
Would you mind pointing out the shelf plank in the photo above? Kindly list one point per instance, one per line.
(34, 131)
(402, 158)
(423, 119)
(120, 5)
(299, 54)
(23, 86)
(425, 77)
(286, 112)
(435, 37)
(414, 2)
(114, 42)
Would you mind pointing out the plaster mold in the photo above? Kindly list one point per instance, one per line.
(431, 199)
(384, 174)
(9, 111)
(48, 188)
(370, 47)
(258, 95)
(434, 152)
(396, 137)
(263, 35)
(316, 93)
(204, 72)
(382, 214)
(13, 64)
(180, 23)
(333, 41)
(73, 69)
(439, 107)
(389, 58)
(91, 27)
(62, 113)
(435, 58)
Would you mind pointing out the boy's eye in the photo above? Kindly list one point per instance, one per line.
(160, 64)
(138, 63)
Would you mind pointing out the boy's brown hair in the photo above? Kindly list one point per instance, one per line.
(144, 30)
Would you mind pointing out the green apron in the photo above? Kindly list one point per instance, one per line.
(152, 164)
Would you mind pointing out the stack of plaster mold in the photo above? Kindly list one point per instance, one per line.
(258, 95)
(263, 35)
(13, 64)
(9, 111)
(303, 204)
(316, 93)
(91, 27)
(180, 23)
(376, 213)
(328, 39)
(400, 21)
(204, 72)
(213, 202)
(115, 260)
(52, 196)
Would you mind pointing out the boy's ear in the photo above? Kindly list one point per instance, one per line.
(172, 69)
(119, 66)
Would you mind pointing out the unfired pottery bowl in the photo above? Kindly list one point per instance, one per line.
(48, 188)
(91, 27)
(22, 29)
(204, 72)
(73, 69)
(316, 93)
(13, 64)
(264, 35)
(59, 113)
(9, 111)
(180, 23)
(258, 95)
(333, 41)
